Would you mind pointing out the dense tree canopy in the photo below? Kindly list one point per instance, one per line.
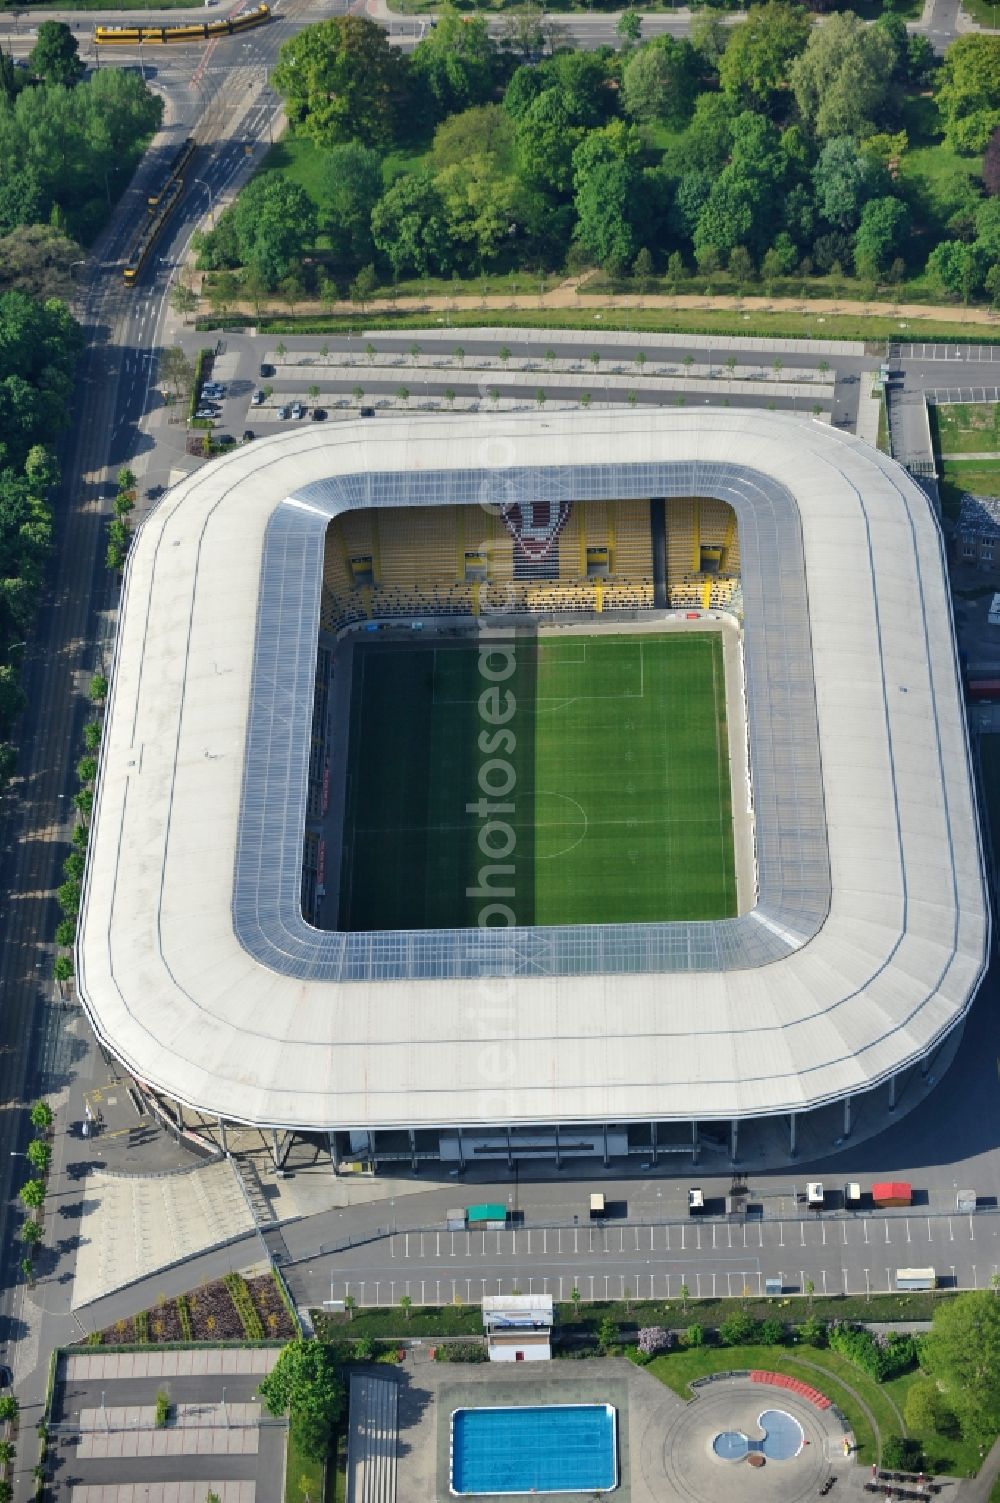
(963, 1353)
(343, 81)
(456, 63)
(39, 343)
(305, 1384)
(755, 66)
(846, 76)
(772, 147)
(64, 151)
(969, 93)
(55, 57)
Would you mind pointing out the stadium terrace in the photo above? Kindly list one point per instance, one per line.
(715, 804)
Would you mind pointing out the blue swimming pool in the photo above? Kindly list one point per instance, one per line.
(554, 1448)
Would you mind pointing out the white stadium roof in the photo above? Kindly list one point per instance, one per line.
(871, 929)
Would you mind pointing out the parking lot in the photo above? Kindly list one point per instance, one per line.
(840, 1253)
(109, 1447)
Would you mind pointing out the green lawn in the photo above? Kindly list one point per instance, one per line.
(837, 1380)
(301, 161)
(980, 476)
(950, 1455)
(616, 759)
(967, 428)
(303, 1476)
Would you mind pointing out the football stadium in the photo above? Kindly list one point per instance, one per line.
(542, 784)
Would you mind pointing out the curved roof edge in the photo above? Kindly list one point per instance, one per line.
(871, 939)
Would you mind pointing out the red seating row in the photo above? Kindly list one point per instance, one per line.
(779, 1380)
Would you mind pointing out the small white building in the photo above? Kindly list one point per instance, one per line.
(518, 1327)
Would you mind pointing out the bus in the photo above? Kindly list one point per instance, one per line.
(188, 31)
(916, 1278)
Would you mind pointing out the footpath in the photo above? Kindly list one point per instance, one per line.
(570, 294)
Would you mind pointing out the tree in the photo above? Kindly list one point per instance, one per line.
(92, 733)
(544, 142)
(660, 81)
(32, 1193)
(629, 28)
(342, 80)
(755, 65)
(39, 1153)
(456, 63)
(881, 234)
(9, 1408)
(605, 179)
(305, 1385)
(404, 1304)
(968, 94)
(738, 1329)
(66, 928)
(844, 80)
(957, 268)
(177, 370)
(708, 36)
(922, 1406)
(62, 969)
(899, 1454)
(844, 179)
(575, 1297)
(266, 230)
(32, 1232)
(364, 285)
(741, 264)
(41, 1116)
(350, 186)
(685, 1295)
(409, 225)
(55, 56)
(607, 1335)
(7, 1452)
(182, 299)
(963, 1353)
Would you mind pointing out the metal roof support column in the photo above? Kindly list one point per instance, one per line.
(558, 1159)
(461, 1150)
(734, 1138)
(892, 1093)
(605, 1131)
(334, 1160)
(222, 1136)
(510, 1156)
(695, 1141)
(847, 1116)
(653, 1143)
(793, 1122)
(413, 1150)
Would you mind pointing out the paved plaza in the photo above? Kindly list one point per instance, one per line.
(665, 1445)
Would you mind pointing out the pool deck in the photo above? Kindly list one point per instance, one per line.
(664, 1445)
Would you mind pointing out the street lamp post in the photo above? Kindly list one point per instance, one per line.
(211, 203)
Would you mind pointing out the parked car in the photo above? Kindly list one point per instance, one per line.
(267, 370)
(367, 412)
(248, 435)
(318, 414)
(213, 389)
(298, 411)
(284, 413)
(6, 1376)
(224, 440)
(257, 399)
(206, 412)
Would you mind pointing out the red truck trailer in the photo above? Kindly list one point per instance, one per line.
(892, 1192)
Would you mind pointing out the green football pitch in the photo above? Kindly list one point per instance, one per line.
(615, 752)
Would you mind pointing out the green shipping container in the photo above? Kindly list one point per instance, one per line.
(487, 1215)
